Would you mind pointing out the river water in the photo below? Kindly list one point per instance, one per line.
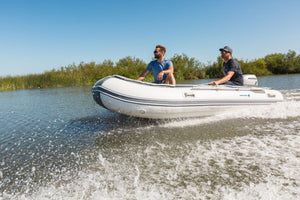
(59, 144)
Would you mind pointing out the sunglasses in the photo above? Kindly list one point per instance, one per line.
(224, 52)
(155, 51)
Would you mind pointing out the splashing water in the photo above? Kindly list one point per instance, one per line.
(252, 153)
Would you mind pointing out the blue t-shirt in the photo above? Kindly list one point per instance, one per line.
(158, 67)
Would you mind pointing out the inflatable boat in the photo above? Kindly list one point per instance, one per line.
(149, 100)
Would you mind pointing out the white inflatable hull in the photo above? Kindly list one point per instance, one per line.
(159, 101)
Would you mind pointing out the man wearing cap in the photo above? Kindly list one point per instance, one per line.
(233, 74)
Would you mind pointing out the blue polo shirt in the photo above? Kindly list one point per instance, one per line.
(158, 67)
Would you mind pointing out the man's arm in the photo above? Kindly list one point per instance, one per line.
(168, 71)
(223, 80)
(143, 75)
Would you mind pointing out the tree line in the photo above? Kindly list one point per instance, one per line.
(185, 68)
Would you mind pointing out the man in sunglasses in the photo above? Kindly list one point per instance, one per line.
(233, 74)
(162, 68)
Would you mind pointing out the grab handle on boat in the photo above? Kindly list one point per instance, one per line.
(186, 94)
(258, 90)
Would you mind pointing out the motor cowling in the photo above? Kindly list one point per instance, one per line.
(250, 80)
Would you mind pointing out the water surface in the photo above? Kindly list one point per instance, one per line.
(59, 144)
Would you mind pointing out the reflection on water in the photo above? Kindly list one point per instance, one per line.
(59, 144)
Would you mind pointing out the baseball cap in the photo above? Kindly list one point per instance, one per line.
(226, 48)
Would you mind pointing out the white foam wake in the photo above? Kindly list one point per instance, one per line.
(281, 110)
(249, 167)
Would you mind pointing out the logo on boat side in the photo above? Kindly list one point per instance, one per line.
(244, 95)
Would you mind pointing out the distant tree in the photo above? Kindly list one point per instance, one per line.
(289, 60)
(275, 63)
(130, 67)
(215, 70)
(186, 68)
(257, 67)
(297, 64)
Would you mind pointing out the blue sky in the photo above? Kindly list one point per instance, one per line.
(37, 36)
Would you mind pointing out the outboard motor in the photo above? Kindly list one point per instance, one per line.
(250, 80)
